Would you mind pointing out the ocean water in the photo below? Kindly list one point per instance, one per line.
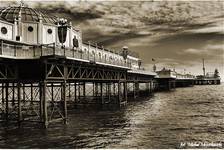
(191, 116)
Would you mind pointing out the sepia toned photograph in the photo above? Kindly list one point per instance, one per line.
(110, 74)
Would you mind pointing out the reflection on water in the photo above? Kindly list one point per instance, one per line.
(163, 121)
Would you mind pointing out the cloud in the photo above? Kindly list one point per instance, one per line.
(176, 33)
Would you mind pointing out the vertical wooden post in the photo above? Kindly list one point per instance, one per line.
(96, 89)
(64, 102)
(114, 87)
(150, 86)
(134, 90)
(84, 90)
(101, 93)
(52, 92)
(24, 92)
(19, 103)
(168, 85)
(125, 92)
(69, 89)
(41, 102)
(109, 91)
(3, 93)
(119, 93)
(75, 92)
(31, 93)
(147, 88)
(7, 102)
(13, 94)
(93, 89)
(79, 91)
(44, 103)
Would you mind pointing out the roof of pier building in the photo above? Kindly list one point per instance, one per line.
(27, 15)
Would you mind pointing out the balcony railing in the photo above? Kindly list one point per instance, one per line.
(25, 51)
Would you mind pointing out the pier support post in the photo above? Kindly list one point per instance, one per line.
(7, 102)
(84, 90)
(125, 92)
(101, 93)
(109, 91)
(150, 86)
(96, 90)
(19, 103)
(13, 94)
(43, 86)
(75, 92)
(136, 89)
(119, 93)
(64, 101)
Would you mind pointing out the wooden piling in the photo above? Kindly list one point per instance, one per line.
(19, 103)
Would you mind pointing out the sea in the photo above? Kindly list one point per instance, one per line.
(191, 117)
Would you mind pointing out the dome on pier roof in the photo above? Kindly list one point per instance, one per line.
(27, 14)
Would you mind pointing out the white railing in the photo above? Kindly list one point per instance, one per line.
(25, 51)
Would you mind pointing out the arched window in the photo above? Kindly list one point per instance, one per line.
(105, 56)
(4, 30)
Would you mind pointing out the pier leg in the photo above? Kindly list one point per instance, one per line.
(63, 96)
(136, 89)
(147, 88)
(44, 103)
(31, 93)
(19, 103)
(150, 86)
(69, 90)
(80, 88)
(119, 93)
(125, 93)
(84, 90)
(96, 89)
(7, 102)
(75, 92)
(101, 93)
(41, 102)
(109, 91)
(13, 94)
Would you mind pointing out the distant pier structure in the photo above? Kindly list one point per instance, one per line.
(46, 68)
(208, 78)
(168, 79)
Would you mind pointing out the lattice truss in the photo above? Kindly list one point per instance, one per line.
(7, 71)
(60, 71)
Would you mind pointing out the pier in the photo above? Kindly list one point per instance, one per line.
(46, 69)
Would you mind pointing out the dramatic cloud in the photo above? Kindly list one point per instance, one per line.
(178, 34)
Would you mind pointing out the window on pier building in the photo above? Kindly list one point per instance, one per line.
(30, 29)
(105, 57)
(4, 30)
(93, 53)
(85, 51)
(99, 55)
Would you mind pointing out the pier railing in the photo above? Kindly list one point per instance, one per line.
(25, 51)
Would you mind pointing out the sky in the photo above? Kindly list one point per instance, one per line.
(177, 34)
